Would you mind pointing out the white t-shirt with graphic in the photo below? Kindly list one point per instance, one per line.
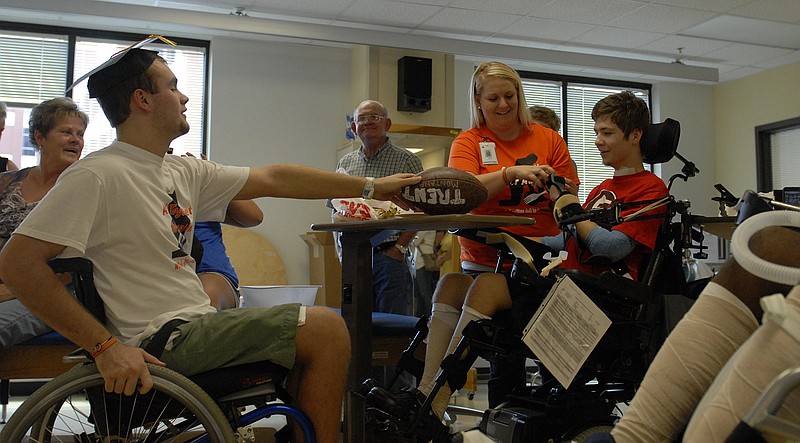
(132, 214)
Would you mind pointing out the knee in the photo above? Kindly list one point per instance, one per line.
(488, 294)
(452, 289)
(325, 328)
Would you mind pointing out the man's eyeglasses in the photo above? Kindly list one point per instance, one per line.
(371, 118)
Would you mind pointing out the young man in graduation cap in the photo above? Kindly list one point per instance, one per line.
(130, 209)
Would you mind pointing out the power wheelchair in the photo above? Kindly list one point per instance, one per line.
(642, 313)
(216, 406)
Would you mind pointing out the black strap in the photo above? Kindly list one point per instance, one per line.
(161, 337)
(384, 246)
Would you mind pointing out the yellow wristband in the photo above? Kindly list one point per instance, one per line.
(99, 348)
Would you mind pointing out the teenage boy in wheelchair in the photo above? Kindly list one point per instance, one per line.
(130, 210)
(620, 123)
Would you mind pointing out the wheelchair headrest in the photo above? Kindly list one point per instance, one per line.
(660, 142)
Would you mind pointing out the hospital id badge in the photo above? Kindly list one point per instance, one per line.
(488, 155)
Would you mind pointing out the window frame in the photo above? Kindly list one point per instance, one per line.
(74, 34)
(764, 170)
(566, 81)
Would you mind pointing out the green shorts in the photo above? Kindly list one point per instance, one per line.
(233, 337)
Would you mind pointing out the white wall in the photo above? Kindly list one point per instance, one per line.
(692, 106)
(280, 103)
(740, 106)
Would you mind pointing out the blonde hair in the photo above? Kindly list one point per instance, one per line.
(499, 70)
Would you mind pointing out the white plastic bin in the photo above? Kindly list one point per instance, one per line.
(267, 296)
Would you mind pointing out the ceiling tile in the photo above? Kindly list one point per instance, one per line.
(549, 30)
(745, 55)
(390, 13)
(734, 73)
(647, 30)
(662, 18)
(589, 11)
(425, 2)
(303, 8)
(469, 21)
(748, 30)
(518, 7)
(707, 5)
(604, 36)
(779, 10)
(692, 46)
(792, 57)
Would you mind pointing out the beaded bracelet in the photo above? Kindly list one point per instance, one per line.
(99, 348)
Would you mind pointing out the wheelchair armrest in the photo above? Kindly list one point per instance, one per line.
(75, 264)
(537, 250)
(82, 271)
(611, 283)
(625, 287)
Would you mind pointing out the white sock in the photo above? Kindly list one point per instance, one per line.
(442, 399)
(691, 357)
(440, 329)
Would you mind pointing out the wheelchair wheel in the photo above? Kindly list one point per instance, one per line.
(74, 407)
(581, 436)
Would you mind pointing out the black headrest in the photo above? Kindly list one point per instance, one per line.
(661, 141)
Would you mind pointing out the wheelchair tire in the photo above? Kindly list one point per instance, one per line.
(581, 436)
(74, 407)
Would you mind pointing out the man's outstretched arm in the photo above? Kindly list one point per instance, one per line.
(297, 181)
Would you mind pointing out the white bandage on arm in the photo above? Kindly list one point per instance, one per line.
(774, 347)
(691, 357)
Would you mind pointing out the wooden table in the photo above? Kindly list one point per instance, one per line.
(357, 294)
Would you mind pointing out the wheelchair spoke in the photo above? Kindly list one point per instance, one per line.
(75, 408)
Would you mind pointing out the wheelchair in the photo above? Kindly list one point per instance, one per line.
(642, 313)
(217, 406)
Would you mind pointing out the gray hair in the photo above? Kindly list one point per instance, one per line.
(384, 112)
(44, 115)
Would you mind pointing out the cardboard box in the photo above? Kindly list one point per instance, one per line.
(324, 268)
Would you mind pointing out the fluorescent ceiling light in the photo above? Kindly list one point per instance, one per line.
(748, 30)
(414, 150)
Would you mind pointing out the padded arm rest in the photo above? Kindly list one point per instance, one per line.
(536, 249)
(75, 264)
(612, 283)
(625, 287)
(82, 283)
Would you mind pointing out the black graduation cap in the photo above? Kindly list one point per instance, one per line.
(123, 65)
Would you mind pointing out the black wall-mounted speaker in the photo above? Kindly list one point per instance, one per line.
(414, 84)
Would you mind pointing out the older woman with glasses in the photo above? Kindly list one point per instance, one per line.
(56, 130)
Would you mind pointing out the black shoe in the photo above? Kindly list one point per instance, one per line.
(403, 404)
(366, 386)
(404, 409)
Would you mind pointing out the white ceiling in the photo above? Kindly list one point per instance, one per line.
(701, 41)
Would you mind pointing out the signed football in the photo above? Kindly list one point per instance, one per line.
(446, 190)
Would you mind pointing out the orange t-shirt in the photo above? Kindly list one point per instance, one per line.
(536, 146)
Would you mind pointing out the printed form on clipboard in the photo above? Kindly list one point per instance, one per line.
(565, 329)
